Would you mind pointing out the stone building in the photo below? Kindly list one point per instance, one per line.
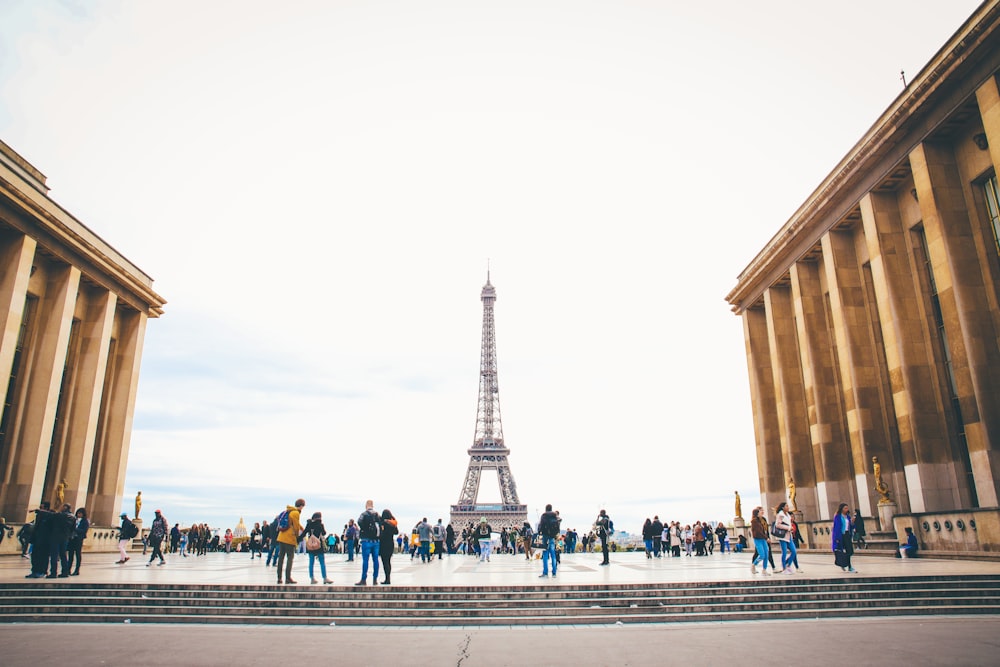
(872, 318)
(73, 315)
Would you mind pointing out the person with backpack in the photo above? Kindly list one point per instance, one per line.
(289, 530)
(438, 533)
(604, 527)
(548, 526)
(526, 537)
(484, 535)
(424, 532)
(368, 528)
(126, 532)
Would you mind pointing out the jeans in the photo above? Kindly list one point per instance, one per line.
(272, 553)
(350, 550)
(549, 554)
(485, 548)
(369, 548)
(313, 557)
(788, 555)
(762, 552)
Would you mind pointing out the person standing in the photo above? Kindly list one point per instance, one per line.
(438, 533)
(41, 541)
(288, 539)
(783, 531)
(657, 529)
(62, 531)
(841, 534)
(859, 530)
(424, 531)
(368, 531)
(157, 533)
(484, 537)
(350, 539)
(314, 532)
(758, 531)
(548, 527)
(603, 526)
(125, 534)
(256, 541)
(526, 538)
(272, 543)
(75, 550)
(390, 527)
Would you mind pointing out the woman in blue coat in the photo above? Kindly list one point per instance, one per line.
(842, 531)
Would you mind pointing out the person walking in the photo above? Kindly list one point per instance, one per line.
(157, 533)
(368, 530)
(782, 529)
(288, 539)
(75, 549)
(841, 538)
(126, 532)
(526, 539)
(313, 533)
(548, 527)
(758, 531)
(390, 527)
(484, 536)
(424, 532)
(604, 527)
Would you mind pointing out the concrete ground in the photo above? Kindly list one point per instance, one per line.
(884, 641)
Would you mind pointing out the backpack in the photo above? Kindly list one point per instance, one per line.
(282, 521)
(131, 530)
(437, 530)
(366, 522)
(549, 526)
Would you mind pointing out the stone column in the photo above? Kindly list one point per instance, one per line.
(988, 97)
(24, 488)
(826, 427)
(16, 254)
(921, 428)
(859, 365)
(765, 416)
(85, 402)
(119, 403)
(793, 421)
(971, 335)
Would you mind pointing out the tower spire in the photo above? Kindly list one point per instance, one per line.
(488, 451)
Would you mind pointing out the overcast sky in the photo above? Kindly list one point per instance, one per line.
(317, 187)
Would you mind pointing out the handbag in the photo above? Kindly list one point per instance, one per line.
(313, 543)
(778, 532)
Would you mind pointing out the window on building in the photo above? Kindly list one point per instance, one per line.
(992, 195)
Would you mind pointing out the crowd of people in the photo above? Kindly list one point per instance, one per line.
(54, 540)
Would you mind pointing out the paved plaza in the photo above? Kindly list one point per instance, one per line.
(947, 640)
(502, 570)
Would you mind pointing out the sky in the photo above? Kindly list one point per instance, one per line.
(318, 190)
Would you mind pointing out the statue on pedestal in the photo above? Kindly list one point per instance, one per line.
(61, 494)
(881, 488)
(739, 506)
(791, 495)
(138, 504)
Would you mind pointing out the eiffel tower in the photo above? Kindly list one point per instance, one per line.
(488, 451)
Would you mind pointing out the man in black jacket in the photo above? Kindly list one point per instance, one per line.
(63, 524)
(40, 541)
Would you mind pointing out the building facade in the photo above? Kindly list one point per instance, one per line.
(73, 315)
(871, 319)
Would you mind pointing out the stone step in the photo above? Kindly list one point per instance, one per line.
(530, 605)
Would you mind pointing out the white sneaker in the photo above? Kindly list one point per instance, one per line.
(767, 573)
(753, 569)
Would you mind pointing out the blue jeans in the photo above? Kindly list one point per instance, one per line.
(425, 550)
(788, 555)
(313, 557)
(272, 553)
(762, 552)
(350, 549)
(649, 545)
(369, 548)
(548, 554)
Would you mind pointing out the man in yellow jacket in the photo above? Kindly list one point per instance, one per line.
(288, 539)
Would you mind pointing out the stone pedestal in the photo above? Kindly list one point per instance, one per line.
(886, 512)
(739, 527)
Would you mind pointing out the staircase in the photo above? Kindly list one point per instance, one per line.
(778, 598)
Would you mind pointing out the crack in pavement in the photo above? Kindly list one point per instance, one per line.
(463, 651)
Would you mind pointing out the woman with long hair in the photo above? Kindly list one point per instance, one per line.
(841, 534)
(758, 530)
(783, 531)
(385, 542)
(314, 528)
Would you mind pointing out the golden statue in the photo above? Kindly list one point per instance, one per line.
(138, 504)
(61, 494)
(881, 488)
(739, 506)
(791, 495)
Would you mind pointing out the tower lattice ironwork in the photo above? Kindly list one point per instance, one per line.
(488, 451)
